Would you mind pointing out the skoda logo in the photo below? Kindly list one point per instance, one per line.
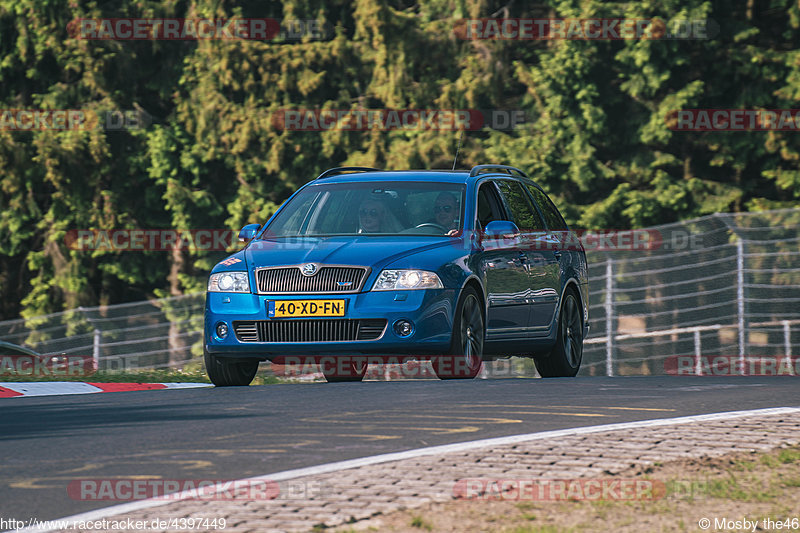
(309, 269)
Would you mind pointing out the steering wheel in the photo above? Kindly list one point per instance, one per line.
(433, 225)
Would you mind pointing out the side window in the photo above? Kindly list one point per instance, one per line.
(555, 222)
(488, 207)
(525, 215)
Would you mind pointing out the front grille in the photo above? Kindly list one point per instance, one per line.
(286, 280)
(309, 330)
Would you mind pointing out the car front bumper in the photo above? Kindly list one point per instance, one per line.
(430, 311)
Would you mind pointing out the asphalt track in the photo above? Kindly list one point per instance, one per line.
(232, 433)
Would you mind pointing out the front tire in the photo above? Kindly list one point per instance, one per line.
(565, 358)
(229, 372)
(466, 351)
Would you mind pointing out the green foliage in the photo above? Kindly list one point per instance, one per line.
(596, 136)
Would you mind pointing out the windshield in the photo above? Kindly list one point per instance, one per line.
(372, 208)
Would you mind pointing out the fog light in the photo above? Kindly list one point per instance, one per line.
(403, 328)
(222, 330)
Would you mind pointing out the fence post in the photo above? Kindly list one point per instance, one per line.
(787, 344)
(96, 349)
(740, 300)
(698, 354)
(610, 317)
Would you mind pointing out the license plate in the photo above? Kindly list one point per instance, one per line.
(304, 308)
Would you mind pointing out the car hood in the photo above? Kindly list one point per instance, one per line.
(375, 252)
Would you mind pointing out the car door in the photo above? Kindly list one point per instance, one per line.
(539, 254)
(505, 274)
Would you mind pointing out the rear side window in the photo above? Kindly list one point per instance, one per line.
(555, 222)
(525, 215)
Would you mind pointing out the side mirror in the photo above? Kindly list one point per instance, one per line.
(501, 229)
(249, 232)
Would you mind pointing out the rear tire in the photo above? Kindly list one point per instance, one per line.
(225, 372)
(564, 359)
(466, 351)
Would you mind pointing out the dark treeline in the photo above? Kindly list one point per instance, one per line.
(596, 134)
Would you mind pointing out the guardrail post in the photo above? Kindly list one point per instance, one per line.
(96, 349)
(740, 301)
(609, 317)
(698, 354)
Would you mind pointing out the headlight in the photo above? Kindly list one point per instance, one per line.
(228, 282)
(390, 280)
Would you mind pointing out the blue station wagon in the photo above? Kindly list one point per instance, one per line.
(455, 267)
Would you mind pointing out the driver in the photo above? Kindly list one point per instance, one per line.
(446, 212)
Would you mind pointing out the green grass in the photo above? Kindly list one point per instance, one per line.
(743, 465)
(768, 460)
(420, 523)
(687, 489)
(791, 482)
(789, 455)
(731, 489)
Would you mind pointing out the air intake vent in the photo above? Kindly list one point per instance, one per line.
(309, 330)
(246, 331)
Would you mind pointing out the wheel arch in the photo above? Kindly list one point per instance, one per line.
(474, 282)
(572, 283)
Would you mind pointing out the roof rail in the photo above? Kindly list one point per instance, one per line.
(478, 168)
(342, 170)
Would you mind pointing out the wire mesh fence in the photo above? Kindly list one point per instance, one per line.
(722, 285)
(163, 333)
